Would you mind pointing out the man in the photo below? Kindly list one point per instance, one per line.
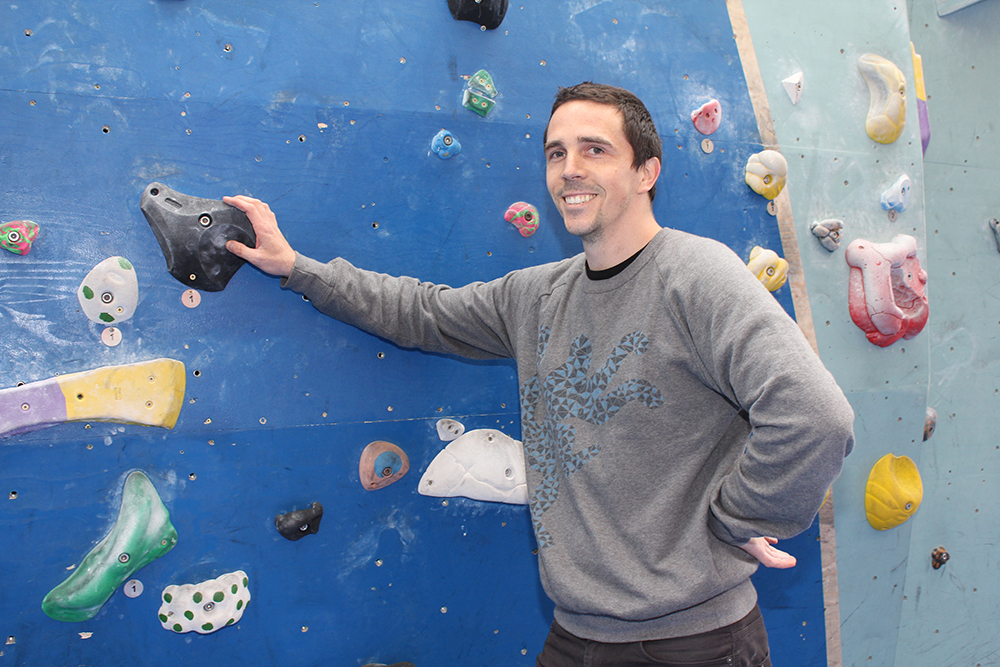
(672, 414)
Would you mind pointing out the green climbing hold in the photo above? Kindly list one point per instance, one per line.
(142, 530)
(204, 607)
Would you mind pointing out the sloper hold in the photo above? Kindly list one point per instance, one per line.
(897, 196)
(893, 492)
(192, 233)
(707, 117)
(296, 525)
(766, 173)
(770, 269)
(483, 464)
(487, 13)
(141, 534)
(887, 85)
(150, 393)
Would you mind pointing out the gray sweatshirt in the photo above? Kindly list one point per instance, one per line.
(669, 414)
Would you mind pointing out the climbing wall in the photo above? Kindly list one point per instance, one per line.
(895, 607)
(326, 110)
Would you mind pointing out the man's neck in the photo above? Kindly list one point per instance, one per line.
(610, 249)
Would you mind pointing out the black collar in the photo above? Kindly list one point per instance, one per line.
(614, 270)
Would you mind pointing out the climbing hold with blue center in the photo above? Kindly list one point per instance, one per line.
(110, 292)
(18, 235)
(141, 534)
(445, 144)
(381, 464)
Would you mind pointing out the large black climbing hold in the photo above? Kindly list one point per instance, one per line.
(193, 232)
(296, 525)
(487, 13)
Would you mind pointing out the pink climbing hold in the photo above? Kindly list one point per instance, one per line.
(707, 117)
(886, 294)
(524, 216)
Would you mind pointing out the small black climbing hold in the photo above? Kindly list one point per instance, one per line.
(487, 13)
(192, 233)
(296, 525)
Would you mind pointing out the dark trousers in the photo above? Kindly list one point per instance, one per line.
(741, 644)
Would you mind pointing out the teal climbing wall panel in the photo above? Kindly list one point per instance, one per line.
(326, 110)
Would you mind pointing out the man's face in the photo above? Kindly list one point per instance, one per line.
(589, 169)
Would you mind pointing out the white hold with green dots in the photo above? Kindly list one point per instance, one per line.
(205, 607)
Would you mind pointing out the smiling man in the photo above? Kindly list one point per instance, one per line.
(668, 406)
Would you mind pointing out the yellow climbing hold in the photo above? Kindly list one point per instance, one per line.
(893, 492)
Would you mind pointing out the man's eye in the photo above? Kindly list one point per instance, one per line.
(596, 149)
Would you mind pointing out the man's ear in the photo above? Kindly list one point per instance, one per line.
(649, 172)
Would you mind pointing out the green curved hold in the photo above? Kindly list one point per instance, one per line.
(141, 534)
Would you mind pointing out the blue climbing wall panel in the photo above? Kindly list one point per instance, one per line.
(325, 110)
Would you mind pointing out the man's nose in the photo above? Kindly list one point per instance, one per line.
(573, 167)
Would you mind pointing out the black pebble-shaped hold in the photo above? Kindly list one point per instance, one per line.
(296, 525)
(487, 13)
(192, 233)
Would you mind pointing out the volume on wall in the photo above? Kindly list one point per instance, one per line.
(328, 113)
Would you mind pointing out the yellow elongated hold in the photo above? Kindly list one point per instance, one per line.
(887, 85)
(150, 393)
(893, 492)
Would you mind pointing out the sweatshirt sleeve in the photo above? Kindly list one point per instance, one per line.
(802, 425)
(465, 321)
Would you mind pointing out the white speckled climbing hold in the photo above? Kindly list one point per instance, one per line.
(207, 606)
(110, 292)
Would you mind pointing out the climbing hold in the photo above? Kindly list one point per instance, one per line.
(897, 197)
(887, 85)
(480, 93)
(296, 525)
(524, 216)
(770, 270)
(921, 94)
(995, 226)
(893, 492)
(793, 86)
(930, 423)
(445, 144)
(141, 534)
(149, 393)
(18, 235)
(487, 13)
(207, 606)
(449, 429)
(110, 292)
(828, 232)
(766, 173)
(886, 290)
(939, 557)
(192, 233)
(483, 464)
(381, 464)
(707, 117)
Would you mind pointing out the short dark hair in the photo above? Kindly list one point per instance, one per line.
(638, 124)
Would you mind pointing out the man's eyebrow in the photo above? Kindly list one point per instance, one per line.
(553, 144)
(594, 140)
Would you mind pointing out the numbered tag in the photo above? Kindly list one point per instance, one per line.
(707, 145)
(111, 336)
(191, 298)
(132, 588)
(772, 208)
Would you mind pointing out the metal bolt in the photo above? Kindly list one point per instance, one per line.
(205, 220)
